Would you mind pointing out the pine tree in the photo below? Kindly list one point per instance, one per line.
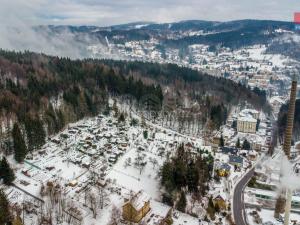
(181, 204)
(5, 215)
(145, 134)
(238, 143)
(246, 145)
(121, 118)
(6, 173)
(35, 132)
(20, 149)
(115, 108)
(221, 141)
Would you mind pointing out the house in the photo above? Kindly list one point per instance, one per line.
(247, 121)
(220, 200)
(236, 160)
(17, 221)
(160, 214)
(229, 150)
(223, 170)
(246, 124)
(136, 208)
(73, 183)
(252, 155)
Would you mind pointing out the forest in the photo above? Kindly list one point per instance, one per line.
(186, 173)
(40, 94)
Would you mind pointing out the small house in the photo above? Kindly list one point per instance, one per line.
(220, 200)
(73, 183)
(236, 160)
(229, 150)
(223, 170)
(136, 208)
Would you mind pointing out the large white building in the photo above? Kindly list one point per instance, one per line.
(247, 121)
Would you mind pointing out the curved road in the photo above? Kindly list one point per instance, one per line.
(238, 199)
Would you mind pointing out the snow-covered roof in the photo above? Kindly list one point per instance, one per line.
(139, 199)
(249, 111)
(277, 99)
(247, 118)
(235, 159)
(247, 115)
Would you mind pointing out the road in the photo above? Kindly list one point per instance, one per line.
(238, 199)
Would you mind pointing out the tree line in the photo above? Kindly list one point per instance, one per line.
(45, 93)
(185, 172)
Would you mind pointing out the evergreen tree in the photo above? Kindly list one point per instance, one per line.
(20, 149)
(167, 176)
(192, 177)
(257, 124)
(238, 143)
(246, 145)
(35, 132)
(6, 173)
(115, 109)
(121, 118)
(181, 204)
(5, 215)
(145, 134)
(221, 144)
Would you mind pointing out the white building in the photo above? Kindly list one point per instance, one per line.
(247, 121)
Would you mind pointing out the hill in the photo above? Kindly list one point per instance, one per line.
(44, 93)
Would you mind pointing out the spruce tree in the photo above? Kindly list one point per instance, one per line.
(221, 141)
(6, 173)
(238, 143)
(246, 145)
(20, 149)
(5, 215)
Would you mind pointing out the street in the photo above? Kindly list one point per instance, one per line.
(238, 199)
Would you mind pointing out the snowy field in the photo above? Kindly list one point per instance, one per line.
(92, 151)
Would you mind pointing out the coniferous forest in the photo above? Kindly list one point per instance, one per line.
(40, 94)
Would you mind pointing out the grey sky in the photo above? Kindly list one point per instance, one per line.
(108, 12)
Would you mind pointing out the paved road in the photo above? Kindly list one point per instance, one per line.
(238, 199)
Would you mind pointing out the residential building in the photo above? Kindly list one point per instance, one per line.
(247, 121)
(236, 160)
(135, 209)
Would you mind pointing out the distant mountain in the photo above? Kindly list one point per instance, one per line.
(180, 35)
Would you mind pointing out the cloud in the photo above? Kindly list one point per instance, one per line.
(103, 12)
(17, 21)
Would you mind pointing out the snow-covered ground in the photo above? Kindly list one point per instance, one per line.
(93, 150)
(268, 216)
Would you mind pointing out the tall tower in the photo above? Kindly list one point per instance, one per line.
(281, 201)
(290, 120)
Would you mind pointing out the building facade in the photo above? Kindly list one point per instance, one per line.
(246, 125)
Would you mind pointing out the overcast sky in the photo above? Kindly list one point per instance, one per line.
(108, 12)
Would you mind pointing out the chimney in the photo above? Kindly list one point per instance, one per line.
(290, 120)
(281, 203)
